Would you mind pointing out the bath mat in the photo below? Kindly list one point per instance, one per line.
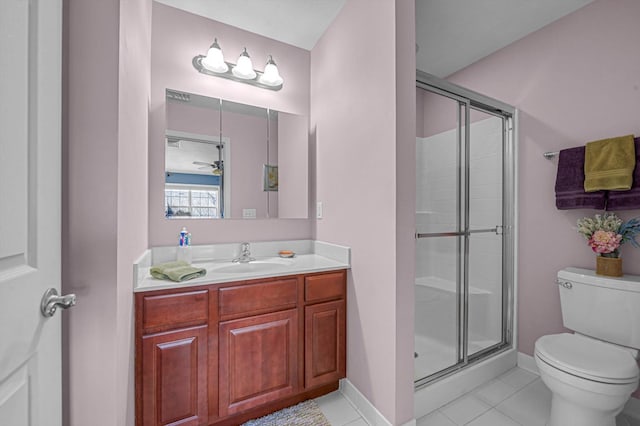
(306, 413)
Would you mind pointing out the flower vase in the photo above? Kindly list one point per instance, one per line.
(609, 266)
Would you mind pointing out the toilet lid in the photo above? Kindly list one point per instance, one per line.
(587, 358)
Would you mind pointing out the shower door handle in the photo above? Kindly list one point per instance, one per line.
(497, 230)
(441, 234)
(481, 231)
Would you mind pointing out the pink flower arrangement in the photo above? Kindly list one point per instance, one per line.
(603, 242)
(607, 232)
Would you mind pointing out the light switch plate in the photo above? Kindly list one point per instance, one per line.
(319, 210)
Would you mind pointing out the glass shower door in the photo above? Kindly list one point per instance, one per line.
(463, 261)
(439, 222)
(484, 266)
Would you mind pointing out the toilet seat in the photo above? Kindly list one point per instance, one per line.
(587, 358)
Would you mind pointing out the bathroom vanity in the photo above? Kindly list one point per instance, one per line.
(227, 352)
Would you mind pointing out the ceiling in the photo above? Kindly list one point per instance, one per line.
(296, 22)
(450, 34)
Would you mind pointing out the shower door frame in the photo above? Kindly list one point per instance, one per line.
(468, 100)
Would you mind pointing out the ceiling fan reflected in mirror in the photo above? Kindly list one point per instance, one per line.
(216, 167)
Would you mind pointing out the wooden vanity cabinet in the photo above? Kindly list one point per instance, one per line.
(325, 329)
(175, 377)
(172, 357)
(258, 360)
(258, 335)
(225, 353)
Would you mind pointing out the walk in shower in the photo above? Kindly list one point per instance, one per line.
(465, 229)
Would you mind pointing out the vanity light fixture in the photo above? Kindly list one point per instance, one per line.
(214, 64)
(271, 75)
(244, 68)
(214, 61)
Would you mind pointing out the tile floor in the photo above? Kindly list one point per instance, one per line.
(517, 398)
(339, 411)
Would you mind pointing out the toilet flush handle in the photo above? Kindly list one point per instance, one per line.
(565, 284)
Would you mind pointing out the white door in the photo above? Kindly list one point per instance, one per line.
(30, 86)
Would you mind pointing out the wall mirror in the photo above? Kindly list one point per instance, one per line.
(230, 160)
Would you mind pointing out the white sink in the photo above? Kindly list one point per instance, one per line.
(255, 266)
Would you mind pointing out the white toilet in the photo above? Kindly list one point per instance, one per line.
(593, 372)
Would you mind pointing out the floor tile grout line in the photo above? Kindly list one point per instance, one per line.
(514, 394)
(473, 391)
(360, 416)
(353, 406)
(494, 408)
(472, 419)
(508, 416)
(481, 414)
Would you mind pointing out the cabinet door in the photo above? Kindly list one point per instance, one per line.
(174, 378)
(258, 360)
(324, 343)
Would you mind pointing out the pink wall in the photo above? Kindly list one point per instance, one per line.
(436, 113)
(89, 236)
(186, 117)
(248, 142)
(132, 202)
(104, 227)
(293, 174)
(354, 120)
(573, 81)
(405, 206)
(176, 38)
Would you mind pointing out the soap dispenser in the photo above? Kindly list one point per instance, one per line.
(184, 246)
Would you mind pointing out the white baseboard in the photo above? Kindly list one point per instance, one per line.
(527, 362)
(366, 409)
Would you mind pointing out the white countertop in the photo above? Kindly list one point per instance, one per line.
(306, 263)
(303, 264)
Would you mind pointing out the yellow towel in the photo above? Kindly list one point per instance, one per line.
(609, 164)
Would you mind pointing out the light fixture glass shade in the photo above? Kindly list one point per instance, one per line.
(271, 76)
(244, 67)
(214, 61)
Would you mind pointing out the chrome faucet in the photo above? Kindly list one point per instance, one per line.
(245, 254)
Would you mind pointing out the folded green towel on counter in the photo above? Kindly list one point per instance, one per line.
(609, 164)
(176, 271)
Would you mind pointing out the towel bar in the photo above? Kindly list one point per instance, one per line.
(550, 154)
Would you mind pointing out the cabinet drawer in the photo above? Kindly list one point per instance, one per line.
(175, 310)
(257, 298)
(324, 287)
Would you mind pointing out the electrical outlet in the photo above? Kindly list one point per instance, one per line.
(319, 210)
(248, 213)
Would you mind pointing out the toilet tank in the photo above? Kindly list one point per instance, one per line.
(605, 308)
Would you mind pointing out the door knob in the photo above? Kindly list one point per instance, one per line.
(51, 301)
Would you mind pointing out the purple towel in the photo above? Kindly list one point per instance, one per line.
(628, 200)
(570, 192)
